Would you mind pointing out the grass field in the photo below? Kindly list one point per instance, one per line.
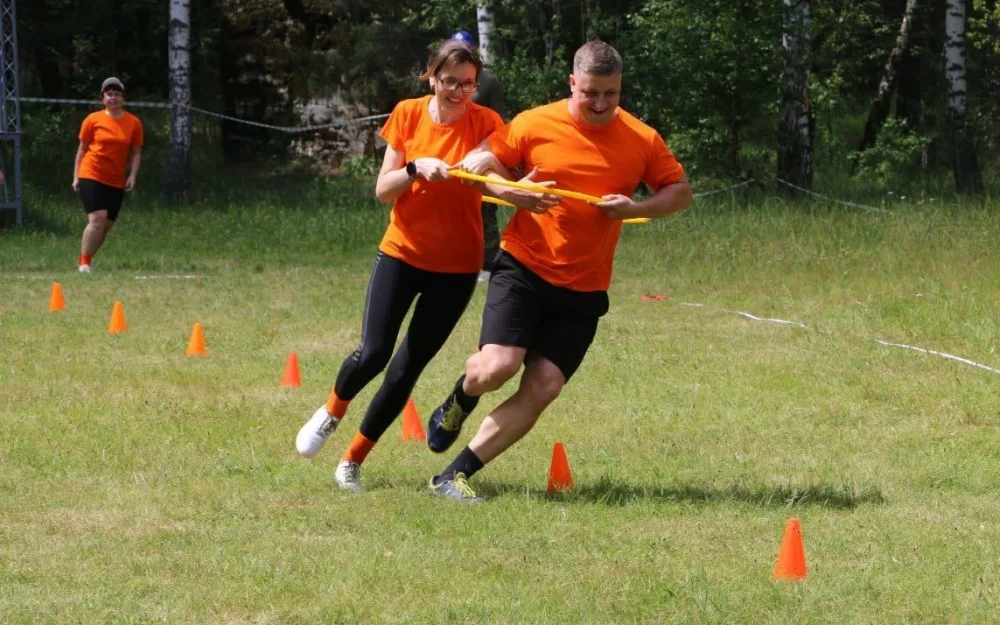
(138, 485)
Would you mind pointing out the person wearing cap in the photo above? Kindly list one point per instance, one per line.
(488, 94)
(106, 166)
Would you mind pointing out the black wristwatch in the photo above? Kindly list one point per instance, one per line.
(411, 169)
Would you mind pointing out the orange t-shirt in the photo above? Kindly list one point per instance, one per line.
(437, 226)
(109, 141)
(573, 244)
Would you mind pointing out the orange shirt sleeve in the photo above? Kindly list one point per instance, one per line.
(506, 143)
(395, 129)
(87, 130)
(662, 167)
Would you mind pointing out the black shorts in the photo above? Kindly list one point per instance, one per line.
(97, 196)
(523, 310)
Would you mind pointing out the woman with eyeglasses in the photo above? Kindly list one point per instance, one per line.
(110, 147)
(431, 253)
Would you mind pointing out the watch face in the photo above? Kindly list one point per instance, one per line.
(411, 169)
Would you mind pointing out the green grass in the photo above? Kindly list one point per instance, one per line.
(138, 485)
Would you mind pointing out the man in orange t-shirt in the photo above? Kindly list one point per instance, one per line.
(429, 257)
(110, 146)
(549, 284)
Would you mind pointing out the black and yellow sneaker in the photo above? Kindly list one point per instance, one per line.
(455, 488)
(445, 425)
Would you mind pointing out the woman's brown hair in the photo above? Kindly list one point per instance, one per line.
(451, 52)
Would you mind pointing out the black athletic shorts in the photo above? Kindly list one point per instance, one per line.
(97, 196)
(523, 310)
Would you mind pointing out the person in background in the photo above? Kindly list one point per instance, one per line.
(106, 166)
(489, 94)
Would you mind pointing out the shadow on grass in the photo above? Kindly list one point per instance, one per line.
(616, 493)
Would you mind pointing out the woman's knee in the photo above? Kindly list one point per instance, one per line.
(373, 360)
(99, 219)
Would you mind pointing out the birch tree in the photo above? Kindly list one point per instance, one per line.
(484, 17)
(964, 162)
(178, 178)
(887, 85)
(794, 138)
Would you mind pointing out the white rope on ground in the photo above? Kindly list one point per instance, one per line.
(870, 209)
(173, 276)
(246, 122)
(930, 352)
(772, 320)
(941, 354)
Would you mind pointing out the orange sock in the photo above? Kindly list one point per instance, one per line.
(84, 259)
(358, 450)
(336, 406)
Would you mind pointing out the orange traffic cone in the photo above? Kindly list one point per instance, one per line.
(117, 318)
(291, 376)
(791, 562)
(196, 346)
(560, 477)
(56, 301)
(413, 429)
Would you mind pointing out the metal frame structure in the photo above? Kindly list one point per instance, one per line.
(10, 109)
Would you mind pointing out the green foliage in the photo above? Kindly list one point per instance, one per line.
(894, 161)
(705, 74)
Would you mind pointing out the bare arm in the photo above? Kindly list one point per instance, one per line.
(80, 151)
(483, 162)
(670, 199)
(393, 181)
(135, 158)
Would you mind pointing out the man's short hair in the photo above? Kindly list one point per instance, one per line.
(597, 58)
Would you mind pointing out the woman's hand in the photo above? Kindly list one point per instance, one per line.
(431, 169)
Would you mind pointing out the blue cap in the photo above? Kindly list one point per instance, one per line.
(464, 35)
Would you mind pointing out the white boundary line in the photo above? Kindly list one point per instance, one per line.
(930, 352)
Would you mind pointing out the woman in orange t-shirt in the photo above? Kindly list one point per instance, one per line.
(433, 248)
(110, 145)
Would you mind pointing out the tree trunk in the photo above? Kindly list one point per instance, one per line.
(178, 178)
(964, 162)
(794, 144)
(484, 17)
(886, 86)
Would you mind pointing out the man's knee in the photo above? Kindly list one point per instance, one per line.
(542, 382)
(494, 368)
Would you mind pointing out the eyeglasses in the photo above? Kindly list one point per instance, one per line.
(452, 84)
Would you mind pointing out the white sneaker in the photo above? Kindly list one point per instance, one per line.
(484, 276)
(348, 475)
(315, 432)
(84, 268)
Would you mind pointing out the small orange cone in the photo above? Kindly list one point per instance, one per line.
(291, 376)
(560, 477)
(56, 301)
(196, 346)
(413, 429)
(791, 562)
(117, 318)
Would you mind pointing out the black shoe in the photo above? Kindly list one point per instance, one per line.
(445, 425)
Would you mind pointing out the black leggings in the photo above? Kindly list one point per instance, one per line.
(391, 290)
